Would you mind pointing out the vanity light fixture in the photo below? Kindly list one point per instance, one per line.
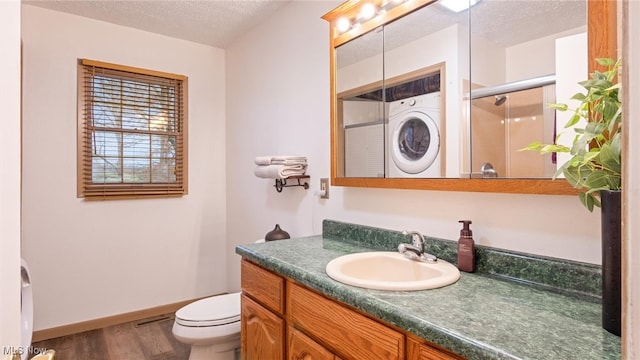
(458, 5)
(388, 5)
(367, 12)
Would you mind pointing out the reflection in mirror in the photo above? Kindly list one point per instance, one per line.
(503, 124)
(424, 125)
(361, 111)
(416, 127)
(392, 98)
(518, 66)
(503, 49)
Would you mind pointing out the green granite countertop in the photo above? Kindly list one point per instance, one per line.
(478, 317)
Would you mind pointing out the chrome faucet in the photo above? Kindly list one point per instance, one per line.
(415, 250)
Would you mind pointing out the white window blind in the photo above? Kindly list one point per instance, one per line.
(132, 133)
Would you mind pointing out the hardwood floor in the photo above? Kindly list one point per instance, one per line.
(149, 339)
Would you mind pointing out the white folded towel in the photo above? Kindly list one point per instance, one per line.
(279, 171)
(263, 160)
(280, 160)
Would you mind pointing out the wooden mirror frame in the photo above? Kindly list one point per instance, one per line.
(602, 42)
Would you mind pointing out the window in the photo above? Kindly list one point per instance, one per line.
(132, 132)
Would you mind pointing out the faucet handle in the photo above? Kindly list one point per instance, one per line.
(416, 238)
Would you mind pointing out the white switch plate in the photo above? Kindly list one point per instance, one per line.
(324, 186)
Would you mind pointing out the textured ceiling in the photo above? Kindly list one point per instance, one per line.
(211, 22)
(510, 22)
(220, 22)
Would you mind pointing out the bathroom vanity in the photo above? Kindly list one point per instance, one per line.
(281, 316)
(292, 310)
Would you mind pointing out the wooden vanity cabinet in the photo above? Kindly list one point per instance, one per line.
(282, 319)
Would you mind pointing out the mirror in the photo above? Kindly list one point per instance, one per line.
(516, 61)
(470, 72)
(393, 116)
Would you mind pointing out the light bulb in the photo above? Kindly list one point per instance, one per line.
(367, 11)
(343, 24)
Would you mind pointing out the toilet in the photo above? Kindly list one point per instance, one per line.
(211, 326)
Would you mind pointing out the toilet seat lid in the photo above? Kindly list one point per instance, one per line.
(211, 311)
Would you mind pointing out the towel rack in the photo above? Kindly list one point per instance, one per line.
(282, 183)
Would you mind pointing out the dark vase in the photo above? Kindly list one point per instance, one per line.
(276, 234)
(611, 261)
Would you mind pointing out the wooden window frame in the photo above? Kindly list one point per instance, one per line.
(90, 190)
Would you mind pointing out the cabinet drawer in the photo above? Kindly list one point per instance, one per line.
(301, 347)
(347, 333)
(264, 286)
(419, 349)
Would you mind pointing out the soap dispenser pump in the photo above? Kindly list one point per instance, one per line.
(466, 248)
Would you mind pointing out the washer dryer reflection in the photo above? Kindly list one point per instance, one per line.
(415, 140)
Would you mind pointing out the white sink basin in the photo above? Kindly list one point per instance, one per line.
(383, 270)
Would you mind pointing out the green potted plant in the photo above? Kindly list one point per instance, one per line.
(595, 163)
(595, 167)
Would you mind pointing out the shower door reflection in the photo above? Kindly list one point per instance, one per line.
(504, 123)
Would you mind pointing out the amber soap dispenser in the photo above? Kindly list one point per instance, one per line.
(466, 248)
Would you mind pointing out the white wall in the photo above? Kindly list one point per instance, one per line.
(488, 64)
(9, 174)
(568, 74)
(494, 65)
(95, 259)
(277, 103)
(281, 105)
(538, 55)
(631, 179)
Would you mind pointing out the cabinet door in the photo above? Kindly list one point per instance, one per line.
(302, 347)
(348, 333)
(262, 333)
(418, 349)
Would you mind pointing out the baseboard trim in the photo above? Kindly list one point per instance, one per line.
(100, 323)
